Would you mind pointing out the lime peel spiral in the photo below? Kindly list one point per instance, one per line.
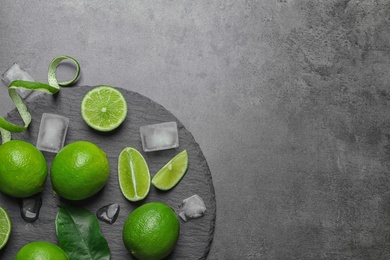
(6, 128)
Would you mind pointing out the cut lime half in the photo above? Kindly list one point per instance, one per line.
(133, 174)
(104, 108)
(169, 175)
(5, 227)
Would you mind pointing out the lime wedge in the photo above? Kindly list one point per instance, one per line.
(104, 108)
(169, 175)
(5, 227)
(133, 174)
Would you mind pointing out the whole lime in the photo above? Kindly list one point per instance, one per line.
(41, 250)
(151, 231)
(79, 170)
(23, 169)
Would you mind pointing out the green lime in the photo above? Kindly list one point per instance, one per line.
(169, 175)
(133, 174)
(23, 169)
(5, 227)
(104, 108)
(41, 250)
(79, 170)
(151, 231)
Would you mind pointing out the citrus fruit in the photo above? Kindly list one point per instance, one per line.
(151, 231)
(23, 169)
(104, 108)
(41, 250)
(5, 227)
(133, 174)
(169, 175)
(79, 170)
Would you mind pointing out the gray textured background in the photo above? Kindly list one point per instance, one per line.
(288, 100)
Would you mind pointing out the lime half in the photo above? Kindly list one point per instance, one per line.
(104, 108)
(169, 175)
(5, 227)
(133, 174)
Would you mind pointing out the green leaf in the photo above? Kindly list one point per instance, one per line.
(79, 234)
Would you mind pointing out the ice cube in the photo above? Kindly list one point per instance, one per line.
(108, 213)
(52, 132)
(192, 207)
(30, 207)
(158, 137)
(16, 73)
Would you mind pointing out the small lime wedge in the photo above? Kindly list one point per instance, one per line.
(104, 108)
(133, 174)
(170, 175)
(5, 227)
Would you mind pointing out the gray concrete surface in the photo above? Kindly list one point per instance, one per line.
(288, 99)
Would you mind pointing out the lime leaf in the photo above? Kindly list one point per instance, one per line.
(79, 234)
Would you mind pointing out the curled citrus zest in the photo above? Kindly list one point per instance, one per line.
(6, 128)
(52, 77)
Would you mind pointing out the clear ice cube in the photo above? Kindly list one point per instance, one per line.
(52, 132)
(30, 207)
(16, 73)
(192, 207)
(158, 137)
(108, 213)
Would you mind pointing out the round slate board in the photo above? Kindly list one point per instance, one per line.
(195, 235)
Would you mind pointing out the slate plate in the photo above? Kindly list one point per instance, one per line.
(195, 235)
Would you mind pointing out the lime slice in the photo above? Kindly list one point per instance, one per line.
(104, 108)
(169, 175)
(5, 227)
(133, 174)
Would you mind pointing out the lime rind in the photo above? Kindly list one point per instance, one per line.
(52, 77)
(172, 172)
(133, 173)
(6, 128)
(104, 108)
(5, 227)
(20, 106)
